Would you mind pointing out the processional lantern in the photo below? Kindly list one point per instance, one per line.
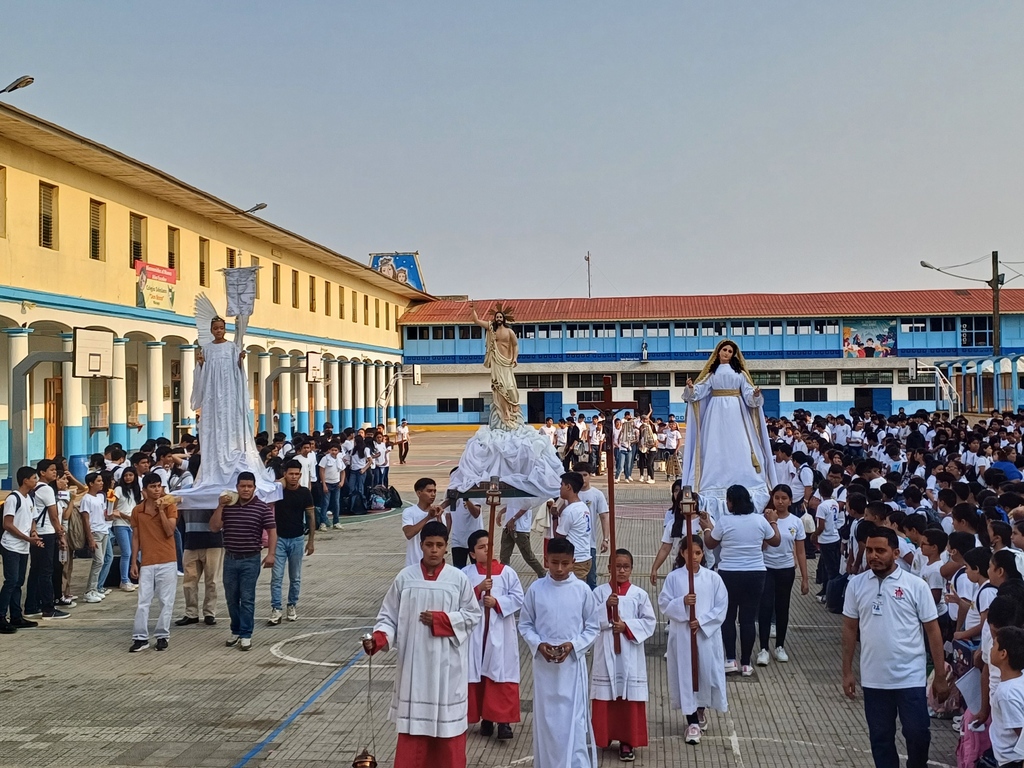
(365, 759)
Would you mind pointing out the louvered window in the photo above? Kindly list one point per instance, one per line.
(204, 262)
(173, 244)
(137, 238)
(47, 216)
(97, 230)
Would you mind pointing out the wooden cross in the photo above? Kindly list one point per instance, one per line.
(609, 408)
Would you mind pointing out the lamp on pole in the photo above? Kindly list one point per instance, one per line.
(995, 283)
(22, 82)
(257, 207)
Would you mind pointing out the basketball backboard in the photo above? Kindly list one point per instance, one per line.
(314, 367)
(93, 356)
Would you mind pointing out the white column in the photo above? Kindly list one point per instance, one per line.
(74, 409)
(358, 393)
(188, 367)
(284, 398)
(334, 395)
(345, 374)
(382, 382)
(117, 396)
(400, 397)
(154, 389)
(302, 399)
(17, 350)
(261, 392)
(371, 394)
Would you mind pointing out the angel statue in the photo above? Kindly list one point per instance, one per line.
(501, 357)
(220, 395)
(726, 436)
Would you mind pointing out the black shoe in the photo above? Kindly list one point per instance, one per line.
(7, 629)
(504, 731)
(626, 753)
(210, 621)
(161, 644)
(24, 624)
(184, 621)
(486, 728)
(138, 645)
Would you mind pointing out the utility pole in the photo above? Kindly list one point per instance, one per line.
(589, 296)
(994, 284)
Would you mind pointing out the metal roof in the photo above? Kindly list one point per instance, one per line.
(51, 139)
(888, 304)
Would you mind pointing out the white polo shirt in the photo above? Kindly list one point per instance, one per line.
(891, 612)
(598, 505)
(512, 508)
(574, 523)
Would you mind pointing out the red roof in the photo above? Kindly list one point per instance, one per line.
(732, 306)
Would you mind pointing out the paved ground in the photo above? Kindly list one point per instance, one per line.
(70, 694)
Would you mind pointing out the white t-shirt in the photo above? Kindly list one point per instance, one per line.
(403, 434)
(596, 434)
(381, 460)
(964, 587)
(891, 612)
(332, 467)
(512, 508)
(932, 577)
(357, 461)
(123, 505)
(598, 505)
(791, 528)
(20, 508)
(828, 511)
(560, 436)
(44, 497)
(667, 538)
(411, 516)
(548, 432)
(982, 600)
(309, 465)
(1007, 715)
(741, 537)
(96, 507)
(464, 525)
(671, 439)
(574, 524)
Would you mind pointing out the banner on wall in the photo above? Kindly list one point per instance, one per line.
(403, 267)
(154, 286)
(869, 338)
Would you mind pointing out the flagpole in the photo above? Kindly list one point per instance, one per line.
(589, 294)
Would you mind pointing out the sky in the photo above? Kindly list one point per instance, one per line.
(691, 148)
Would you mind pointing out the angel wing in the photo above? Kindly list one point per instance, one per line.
(204, 318)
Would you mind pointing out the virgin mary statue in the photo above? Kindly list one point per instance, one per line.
(726, 436)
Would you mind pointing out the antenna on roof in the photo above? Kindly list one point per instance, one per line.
(587, 258)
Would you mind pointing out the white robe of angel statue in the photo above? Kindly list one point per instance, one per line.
(220, 395)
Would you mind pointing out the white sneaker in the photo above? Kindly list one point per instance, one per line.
(730, 666)
(781, 655)
(337, 526)
(245, 644)
(322, 527)
(106, 591)
(692, 734)
(290, 614)
(702, 720)
(275, 617)
(92, 597)
(747, 670)
(127, 586)
(629, 479)
(650, 480)
(772, 633)
(762, 658)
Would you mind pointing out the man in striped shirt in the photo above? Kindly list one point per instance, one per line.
(243, 524)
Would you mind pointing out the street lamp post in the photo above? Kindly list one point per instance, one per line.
(22, 82)
(995, 283)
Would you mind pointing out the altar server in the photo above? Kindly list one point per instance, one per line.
(428, 616)
(618, 682)
(494, 667)
(559, 622)
(711, 601)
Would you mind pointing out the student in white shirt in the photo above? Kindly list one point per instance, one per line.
(18, 538)
(332, 477)
(548, 429)
(1007, 656)
(97, 528)
(829, 519)
(403, 441)
(933, 552)
(780, 573)
(575, 524)
(515, 532)
(596, 502)
(417, 515)
(977, 562)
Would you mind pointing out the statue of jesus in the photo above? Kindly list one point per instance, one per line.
(501, 357)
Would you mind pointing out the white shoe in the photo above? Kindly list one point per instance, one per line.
(290, 613)
(692, 734)
(702, 720)
(275, 617)
(762, 658)
(92, 597)
(747, 670)
(730, 666)
(245, 644)
(128, 587)
(629, 479)
(617, 481)
(337, 526)
(781, 655)
(772, 633)
(322, 527)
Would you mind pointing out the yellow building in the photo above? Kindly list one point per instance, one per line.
(81, 223)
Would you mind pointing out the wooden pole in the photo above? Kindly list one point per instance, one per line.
(609, 417)
(688, 505)
(493, 499)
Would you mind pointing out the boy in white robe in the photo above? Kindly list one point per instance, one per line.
(559, 622)
(428, 616)
(494, 669)
(618, 682)
(711, 601)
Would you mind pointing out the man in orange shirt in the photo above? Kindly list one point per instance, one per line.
(153, 524)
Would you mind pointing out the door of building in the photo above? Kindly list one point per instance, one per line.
(553, 405)
(864, 399)
(660, 404)
(53, 417)
(772, 408)
(535, 407)
(643, 401)
(881, 400)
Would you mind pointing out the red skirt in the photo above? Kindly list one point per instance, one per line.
(497, 702)
(621, 721)
(430, 752)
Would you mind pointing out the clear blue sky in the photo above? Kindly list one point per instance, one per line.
(692, 147)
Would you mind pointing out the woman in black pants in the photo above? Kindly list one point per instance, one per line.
(780, 564)
(741, 534)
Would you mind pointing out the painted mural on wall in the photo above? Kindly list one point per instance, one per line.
(869, 338)
(403, 267)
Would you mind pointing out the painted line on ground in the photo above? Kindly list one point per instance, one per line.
(297, 711)
(275, 649)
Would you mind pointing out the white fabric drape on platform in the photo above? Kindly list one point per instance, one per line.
(523, 458)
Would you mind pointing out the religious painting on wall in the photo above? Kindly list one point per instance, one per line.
(403, 267)
(869, 338)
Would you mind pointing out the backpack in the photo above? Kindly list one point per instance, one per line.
(75, 528)
(378, 497)
(835, 593)
(32, 497)
(394, 501)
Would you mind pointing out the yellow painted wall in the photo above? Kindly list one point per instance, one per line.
(68, 270)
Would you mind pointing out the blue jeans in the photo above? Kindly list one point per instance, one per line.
(626, 458)
(357, 482)
(290, 550)
(240, 575)
(880, 709)
(15, 567)
(592, 576)
(331, 503)
(108, 560)
(123, 534)
(180, 550)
